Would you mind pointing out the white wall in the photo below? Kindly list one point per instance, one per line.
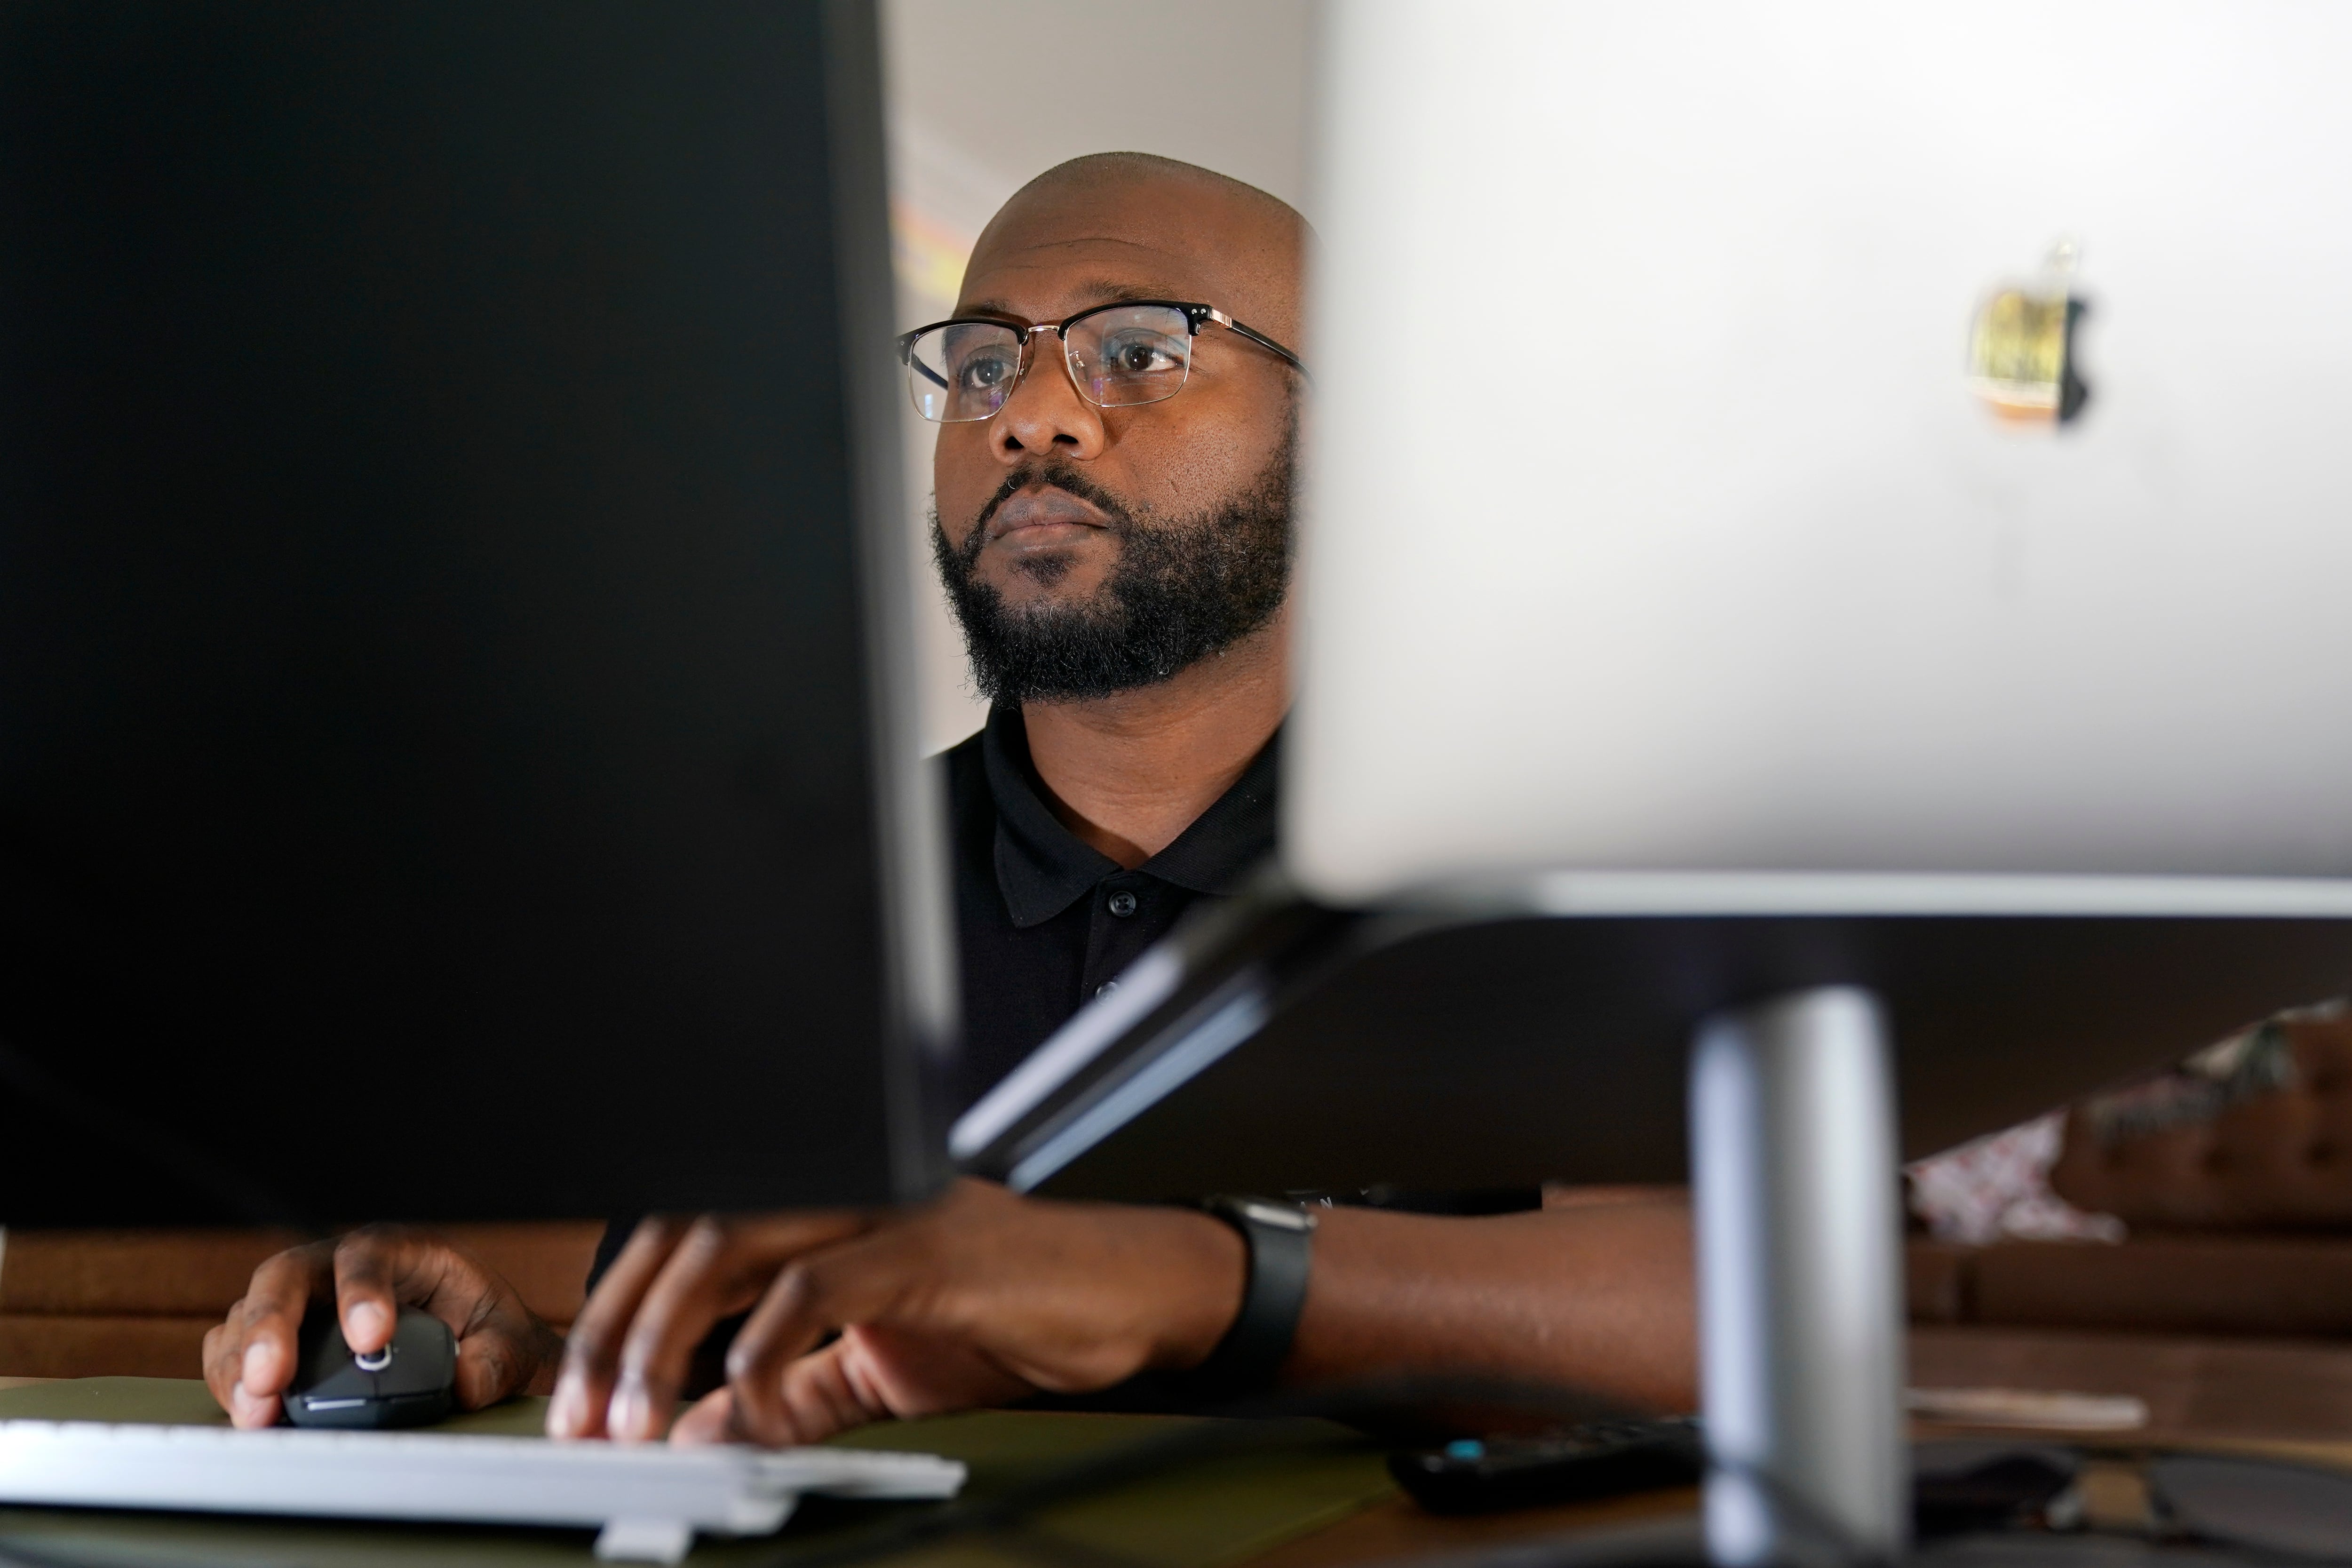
(984, 94)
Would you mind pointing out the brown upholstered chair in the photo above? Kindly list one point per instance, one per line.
(2277, 1161)
(2239, 1222)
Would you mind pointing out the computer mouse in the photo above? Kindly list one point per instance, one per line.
(408, 1382)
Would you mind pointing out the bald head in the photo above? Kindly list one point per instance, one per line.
(1144, 218)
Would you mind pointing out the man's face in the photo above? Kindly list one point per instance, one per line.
(1090, 549)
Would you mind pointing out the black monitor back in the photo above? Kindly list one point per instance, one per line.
(440, 773)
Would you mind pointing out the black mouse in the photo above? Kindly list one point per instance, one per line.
(409, 1382)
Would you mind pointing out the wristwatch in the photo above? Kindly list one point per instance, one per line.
(1280, 1238)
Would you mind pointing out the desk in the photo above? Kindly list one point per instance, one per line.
(2285, 1399)
(1316, 1501)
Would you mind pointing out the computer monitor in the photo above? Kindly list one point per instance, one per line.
(1689, 500)
(456, 752)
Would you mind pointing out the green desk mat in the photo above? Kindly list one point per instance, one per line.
(1199, 1510)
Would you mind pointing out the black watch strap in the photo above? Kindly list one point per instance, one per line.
(1280, 1238)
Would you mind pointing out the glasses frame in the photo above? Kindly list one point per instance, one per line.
(1196, 316)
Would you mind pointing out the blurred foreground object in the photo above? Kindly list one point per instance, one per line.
(451, 609)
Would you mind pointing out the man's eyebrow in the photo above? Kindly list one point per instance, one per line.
(1105, 292)
(1100, 291)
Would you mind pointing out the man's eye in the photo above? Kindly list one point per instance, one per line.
(984, 373)
(1139, 356)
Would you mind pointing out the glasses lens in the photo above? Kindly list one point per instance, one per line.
(1959, 1487)
(1130, 353)
(963, 370)
(2271, 1506)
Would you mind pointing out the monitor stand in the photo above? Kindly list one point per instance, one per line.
(1798, 1203)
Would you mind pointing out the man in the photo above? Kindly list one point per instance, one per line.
(1114, 534)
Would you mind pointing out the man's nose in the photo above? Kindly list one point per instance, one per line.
(1045, 413)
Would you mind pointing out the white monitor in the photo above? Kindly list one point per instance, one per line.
(1665, 522)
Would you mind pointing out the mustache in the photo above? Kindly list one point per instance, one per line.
(1062, 474)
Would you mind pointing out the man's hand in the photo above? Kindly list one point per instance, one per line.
(370, 1274)
(976, 1297)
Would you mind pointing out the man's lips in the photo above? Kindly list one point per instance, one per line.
(1042, 514)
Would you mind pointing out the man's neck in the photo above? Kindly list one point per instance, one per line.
(1129, 773)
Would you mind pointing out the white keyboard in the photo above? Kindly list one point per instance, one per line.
(648, 1499)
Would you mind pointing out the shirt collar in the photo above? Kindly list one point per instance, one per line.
(1041, 867)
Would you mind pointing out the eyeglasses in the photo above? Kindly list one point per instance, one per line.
(2285, 1511)
(1120, 355)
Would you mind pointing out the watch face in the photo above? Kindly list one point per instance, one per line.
(1287, 1216)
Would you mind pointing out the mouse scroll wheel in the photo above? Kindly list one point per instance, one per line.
(373, 1361)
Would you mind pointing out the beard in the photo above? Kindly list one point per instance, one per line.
(1178, 591)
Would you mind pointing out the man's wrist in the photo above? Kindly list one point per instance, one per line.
(1210, 1272)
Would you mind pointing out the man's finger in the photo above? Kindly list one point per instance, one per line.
(854, 1282)
(251, 1361)
(367, 1270)
(492, 1362)
(224, 1344)
(710, 1419)
(821, 1395)
(718, 1269)
(591, 1351)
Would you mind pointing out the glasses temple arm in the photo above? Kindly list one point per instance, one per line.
(1271, 347)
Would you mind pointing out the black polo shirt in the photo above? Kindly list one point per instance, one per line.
(1047, 921)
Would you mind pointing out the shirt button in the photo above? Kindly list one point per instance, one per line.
(1107, 987)
(1122, 903)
